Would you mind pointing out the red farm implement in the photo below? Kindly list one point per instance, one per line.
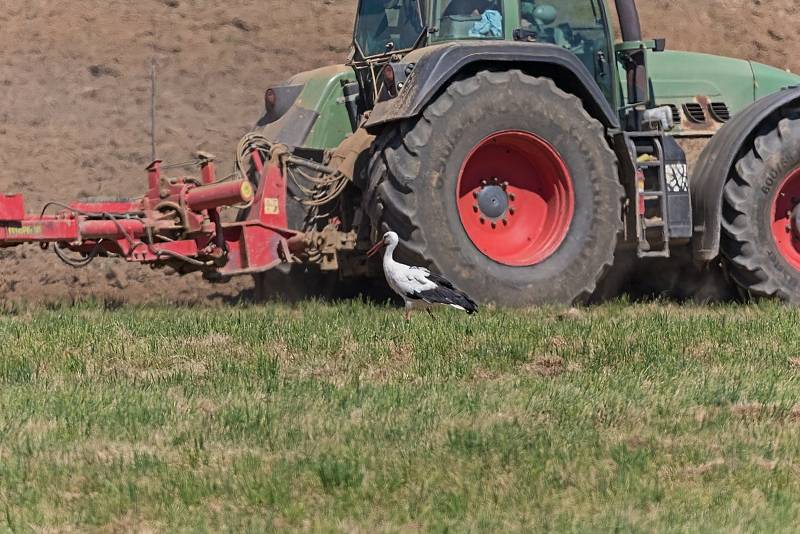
(177, 223)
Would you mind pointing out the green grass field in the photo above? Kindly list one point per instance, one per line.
(345, 418)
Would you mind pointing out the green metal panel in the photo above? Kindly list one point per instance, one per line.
(323, 94)
(686, 78)
(679, 77)
(769, 79)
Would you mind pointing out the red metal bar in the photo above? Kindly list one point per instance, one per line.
(114, 207)
(256, 157)
(143, 253)
(112, 229)
(208, 173)
(223, 194)
(40, 230)
(271, 209)
(154, 176)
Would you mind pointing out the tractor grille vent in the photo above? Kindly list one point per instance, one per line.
(720, 112)
(694, 112)
(676, 113)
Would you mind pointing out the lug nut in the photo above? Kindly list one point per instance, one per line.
(475, 208)
(512, 197)
(483, 220)
(511, 211)
(505, 222)
(484, 183)
(474, 194)
(494, 225)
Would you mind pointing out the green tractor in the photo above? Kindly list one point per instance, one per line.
(518, 149)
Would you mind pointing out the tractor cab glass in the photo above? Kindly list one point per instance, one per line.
(580, 26)
(468, 19)
(384, 26)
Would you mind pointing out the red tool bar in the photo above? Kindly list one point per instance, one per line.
(40, 230)
(115, 207)
(108, 229)
(223, 194)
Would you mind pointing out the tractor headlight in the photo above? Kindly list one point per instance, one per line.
(393, 78)
(270, 99)
(278, 100)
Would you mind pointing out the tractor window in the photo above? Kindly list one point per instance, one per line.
(387, 25)
(469, 19)
(577, 25)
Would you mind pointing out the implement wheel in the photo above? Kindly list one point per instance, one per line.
(761, 216)
(506, 185)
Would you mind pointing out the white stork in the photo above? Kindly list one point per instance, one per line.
(418, 286)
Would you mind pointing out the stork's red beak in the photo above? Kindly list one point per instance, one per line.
(376, 248)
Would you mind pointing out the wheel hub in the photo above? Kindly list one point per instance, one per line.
(493, 201)
(515, 198)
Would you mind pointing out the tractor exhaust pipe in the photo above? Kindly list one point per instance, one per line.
(631, 28)
(629, 22)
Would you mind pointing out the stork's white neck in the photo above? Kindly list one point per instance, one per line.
(388, 255)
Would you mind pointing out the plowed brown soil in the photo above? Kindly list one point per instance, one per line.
(74, 100)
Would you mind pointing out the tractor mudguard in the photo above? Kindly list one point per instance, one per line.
(435, 66)
(717, 162)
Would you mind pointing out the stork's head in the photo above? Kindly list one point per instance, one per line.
(389, 239)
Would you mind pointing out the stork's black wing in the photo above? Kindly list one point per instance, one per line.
(441, 281)
(451, 297)
(444, 291)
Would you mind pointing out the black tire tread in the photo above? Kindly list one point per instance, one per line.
(747, 256)
(395, 165)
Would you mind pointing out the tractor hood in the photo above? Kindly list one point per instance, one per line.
(704, 91)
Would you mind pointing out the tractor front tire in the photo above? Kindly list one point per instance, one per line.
(506, 185)
(760, 239)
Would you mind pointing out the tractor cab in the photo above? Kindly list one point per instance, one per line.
(388, 26)
(391, 27)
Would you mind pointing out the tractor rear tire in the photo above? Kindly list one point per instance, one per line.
(760, 241)
(506, 185)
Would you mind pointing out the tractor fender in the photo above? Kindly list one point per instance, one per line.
(435, 66)
(717, 163)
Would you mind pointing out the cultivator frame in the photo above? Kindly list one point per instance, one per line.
(177, 223)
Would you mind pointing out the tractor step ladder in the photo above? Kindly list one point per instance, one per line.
(651, 195)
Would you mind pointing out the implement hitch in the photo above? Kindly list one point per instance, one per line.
(177, 223)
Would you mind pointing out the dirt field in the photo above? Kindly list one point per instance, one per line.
(75, 99)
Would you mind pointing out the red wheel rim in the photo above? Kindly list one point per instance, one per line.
(515, 198)
(784, 229)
